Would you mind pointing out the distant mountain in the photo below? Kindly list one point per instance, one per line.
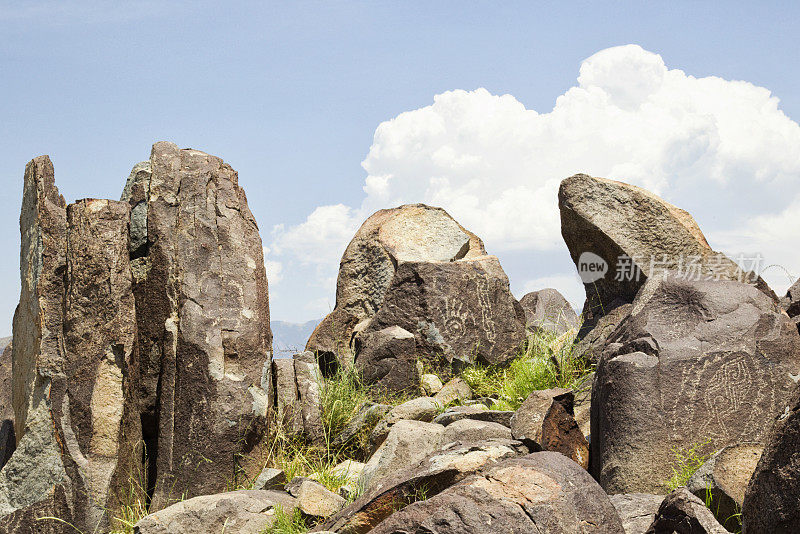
(289, 338)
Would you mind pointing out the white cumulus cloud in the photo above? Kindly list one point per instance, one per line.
(721, 149)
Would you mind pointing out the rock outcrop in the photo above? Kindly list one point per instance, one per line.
(203, 319)
(772, 499)
(548, 310)
(791, 303)
(626, 226)
(75, 363)
(695, 362)
(388, 360)
(541, 492)
(636, 510)
(460, 312)
(683, 512)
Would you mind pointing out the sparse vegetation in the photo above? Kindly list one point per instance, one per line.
(547, 361)
(287, 523)
(686, 463)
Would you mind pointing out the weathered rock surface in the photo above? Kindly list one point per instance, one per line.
(432, 475)
(431, 384)
(8, 440)
(387, 359)
(636, 510)
(388, 238)
(332, 340)
(548, 310)
(593, 343)
(615, 220)
(476, 412)
(269, 478)
(288, 411)
(546, 421)
(695, 362)
(791, 302)
(460, 312)
(772, 499)
(456, 389)
(472, 431)
(541, 492)
(724, 478)
(682, 512)
(309, 389)
(74, 353)
(235, 512)
(203, 319)
(314, 499)
(408, 443)
(419, 409)
(101, 422)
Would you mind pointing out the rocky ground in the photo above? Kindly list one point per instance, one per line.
(140, 392)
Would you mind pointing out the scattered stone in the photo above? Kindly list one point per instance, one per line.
(407, 443)
(695, 362)
(203, 318)
(435, 473)
(235, 512)
(472, 431)
(351, 471)
(460, 312)
(419, 409)
(541, 492)
(314, 499)
(387, 359)
(456, 413)
(636, 510)
(549, 311)
(772, 499)
(431, 384)
(270, 478)
(455, 390)
(724, 479)
(683, 512)
(613, 220)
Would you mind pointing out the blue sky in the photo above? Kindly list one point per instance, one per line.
(291, 94)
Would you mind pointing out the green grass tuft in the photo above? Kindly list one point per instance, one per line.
(287, 523)
(547, 361)
(686, 463)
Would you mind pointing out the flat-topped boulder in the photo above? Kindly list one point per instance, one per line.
(708, 362)
(547, 310)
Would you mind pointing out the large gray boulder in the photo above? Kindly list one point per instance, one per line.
(203, 318)
(613, 221)
(460, 312)
(388, 238)
(408, 443)
(430, 476)
(547, 310)
(235, 512)
(695, 362)
(772, 499)
(541, 492)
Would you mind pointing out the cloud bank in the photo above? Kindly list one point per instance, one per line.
(721, 149)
